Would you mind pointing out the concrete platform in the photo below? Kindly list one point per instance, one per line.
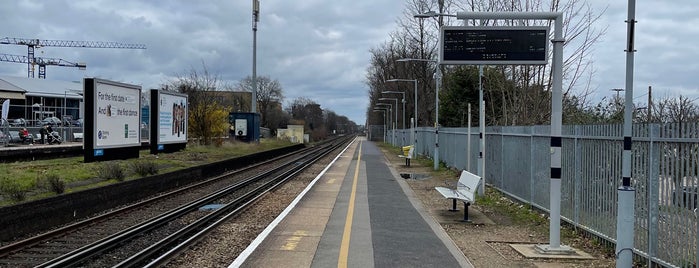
(359, 213)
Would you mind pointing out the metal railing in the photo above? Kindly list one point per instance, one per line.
(665, 174)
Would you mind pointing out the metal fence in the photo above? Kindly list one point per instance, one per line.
(664, 173)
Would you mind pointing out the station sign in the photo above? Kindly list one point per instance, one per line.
(494, 45)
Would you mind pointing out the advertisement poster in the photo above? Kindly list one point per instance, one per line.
(117, 115)
(172, 118)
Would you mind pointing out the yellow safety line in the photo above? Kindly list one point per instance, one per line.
(344, 248)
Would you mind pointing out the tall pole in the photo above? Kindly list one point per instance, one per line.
(255, 19)
(415, 129)
(556, 139)
(481, 131)
(650, 105)
(626, 193)
(438, 79)
(468, 141)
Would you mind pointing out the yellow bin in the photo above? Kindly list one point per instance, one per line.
(406, 150)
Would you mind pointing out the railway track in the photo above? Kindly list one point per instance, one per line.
(154, 230)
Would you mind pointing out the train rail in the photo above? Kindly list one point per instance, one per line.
(165, 223)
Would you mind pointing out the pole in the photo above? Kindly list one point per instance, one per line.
(556, 141)
(481, 131)
(438, 76)
(626, 193)
(403, 101)
(650, 105)
(395, 124)
(468, 140)
(255, 19)
(415, 123)
(403, 129)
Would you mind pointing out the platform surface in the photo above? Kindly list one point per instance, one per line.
(385, 227)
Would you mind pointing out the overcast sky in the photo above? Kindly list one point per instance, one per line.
(316, 49)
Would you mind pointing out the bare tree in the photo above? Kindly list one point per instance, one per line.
(526, 99)
(207, 117)
(269, 96)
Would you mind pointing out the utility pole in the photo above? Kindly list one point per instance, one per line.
(255, 19)
(650, 105)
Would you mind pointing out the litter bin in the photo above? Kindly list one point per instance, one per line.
(407, 154)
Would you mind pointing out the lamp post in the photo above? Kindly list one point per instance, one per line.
(396, 113)
(377, 109)
(438, 83)
(390, 120)
(402, 101)
(415, 115)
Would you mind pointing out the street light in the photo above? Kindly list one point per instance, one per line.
(391, 120)
(402, 101)
(438, 82)
(396, 112)
(432, 14)
(376, 109)
(414, 125)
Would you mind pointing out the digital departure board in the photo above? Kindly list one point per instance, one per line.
(491, 45)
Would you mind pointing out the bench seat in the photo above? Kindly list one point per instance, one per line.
(465, 191)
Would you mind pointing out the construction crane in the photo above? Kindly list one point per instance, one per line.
(42, 62)
(37, 43)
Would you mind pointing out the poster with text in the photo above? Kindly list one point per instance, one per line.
(117, 118)
(172, 117)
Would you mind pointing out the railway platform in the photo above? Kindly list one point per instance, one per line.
(358, 213)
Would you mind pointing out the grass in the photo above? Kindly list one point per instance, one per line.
(517, 213)
(21, 181)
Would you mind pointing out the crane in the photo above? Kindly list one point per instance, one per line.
(42, 62)
(37, 43)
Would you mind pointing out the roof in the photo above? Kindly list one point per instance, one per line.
(10, 91)
(42, 87)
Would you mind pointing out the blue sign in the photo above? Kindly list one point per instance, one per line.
(161, 147)
(99, 152)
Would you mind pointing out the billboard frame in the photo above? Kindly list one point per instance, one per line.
(93, 151)
(156, 144)
(545, 38)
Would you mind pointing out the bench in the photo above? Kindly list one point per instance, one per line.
(77, 136)
(466, 189)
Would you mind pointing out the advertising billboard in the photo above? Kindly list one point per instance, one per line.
(172, 117)
(117, 114)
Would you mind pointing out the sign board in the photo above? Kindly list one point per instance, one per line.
(112, 120)
(117, 116)
(493, 45)
(241, 127)
(172, 117)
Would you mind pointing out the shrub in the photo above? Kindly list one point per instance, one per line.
(145, 168)
(12, 190)
(54, 183)
(111, 170)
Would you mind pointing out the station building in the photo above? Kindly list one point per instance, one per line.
(35, 99)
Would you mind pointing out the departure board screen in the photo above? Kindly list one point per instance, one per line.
(494, 45)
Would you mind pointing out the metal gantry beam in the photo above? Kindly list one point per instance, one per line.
(42, 62)
(37, 43)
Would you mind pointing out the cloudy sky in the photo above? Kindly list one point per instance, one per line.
(316, 49)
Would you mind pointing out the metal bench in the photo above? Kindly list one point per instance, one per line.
(465, 191)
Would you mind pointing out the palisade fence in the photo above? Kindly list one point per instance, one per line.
(664, 173)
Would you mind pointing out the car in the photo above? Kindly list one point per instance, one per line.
(19, 122)
(51, 121)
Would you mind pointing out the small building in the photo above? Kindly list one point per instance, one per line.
(35, 99)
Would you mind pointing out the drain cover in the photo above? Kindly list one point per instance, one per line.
(210, 207)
